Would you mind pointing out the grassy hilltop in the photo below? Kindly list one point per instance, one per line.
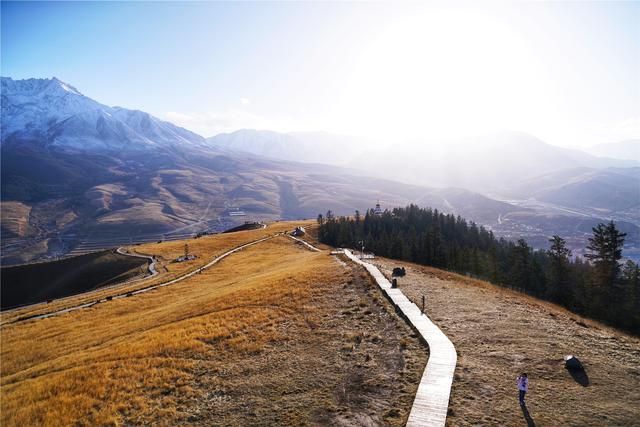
(274, 334)
(279, 335)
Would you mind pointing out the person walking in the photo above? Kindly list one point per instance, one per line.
(523, 387)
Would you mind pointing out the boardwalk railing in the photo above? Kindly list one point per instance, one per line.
(432, 398)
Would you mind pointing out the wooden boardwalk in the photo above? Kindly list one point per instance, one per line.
(432, 399)
(308, 245)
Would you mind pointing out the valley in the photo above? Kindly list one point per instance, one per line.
(319, 213)
(80, 176)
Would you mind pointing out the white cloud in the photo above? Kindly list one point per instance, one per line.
(245, 101)
(620, 130)
(629, 126)
(211, 123)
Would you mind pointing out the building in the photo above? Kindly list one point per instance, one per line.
(299, 231)
(378, 209)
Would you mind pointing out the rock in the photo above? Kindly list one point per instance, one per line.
(572, 362)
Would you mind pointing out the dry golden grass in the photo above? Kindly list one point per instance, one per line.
(499, 333)
(274, 334)
(205, 248)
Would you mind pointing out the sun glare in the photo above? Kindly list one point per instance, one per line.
(429, 73)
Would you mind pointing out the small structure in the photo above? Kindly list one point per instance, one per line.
(299, 231)
(378, 209)
(187, 256)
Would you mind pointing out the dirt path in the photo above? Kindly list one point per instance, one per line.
(499, 333)
(152, 264)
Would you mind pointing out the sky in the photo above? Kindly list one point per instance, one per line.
(568, 73)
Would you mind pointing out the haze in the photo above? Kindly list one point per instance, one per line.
(564, 72)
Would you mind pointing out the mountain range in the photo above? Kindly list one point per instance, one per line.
(78, 175)
(484, 163)
(628, 150)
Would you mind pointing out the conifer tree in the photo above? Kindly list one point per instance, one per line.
(559, 285)
(605, 253)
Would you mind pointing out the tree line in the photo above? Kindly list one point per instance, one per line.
(600, 286)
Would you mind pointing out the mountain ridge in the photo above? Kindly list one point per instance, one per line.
(78, 175)
(58, 115)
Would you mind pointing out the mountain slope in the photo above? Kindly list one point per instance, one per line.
(608, 190)
(481, 164)
(310, 147)
(77, 176)
(56, 114)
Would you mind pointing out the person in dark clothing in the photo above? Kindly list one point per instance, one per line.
(523, 387)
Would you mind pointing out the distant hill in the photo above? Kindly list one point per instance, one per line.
(78, 175)
(483, 163)
(308, 147)
(607, 190)
(629, 150)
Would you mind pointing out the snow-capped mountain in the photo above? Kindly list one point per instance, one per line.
(56, 114)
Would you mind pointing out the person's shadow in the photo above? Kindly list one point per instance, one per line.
(527, 416)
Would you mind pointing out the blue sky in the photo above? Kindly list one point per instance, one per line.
(566, 72)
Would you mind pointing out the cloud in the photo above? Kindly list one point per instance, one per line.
(245, 101)
(630, 125)
(628, 128)
(212, 123)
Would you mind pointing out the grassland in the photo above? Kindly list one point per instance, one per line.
(274, 334)
(38, 282)
(205, 249)
(499, 333)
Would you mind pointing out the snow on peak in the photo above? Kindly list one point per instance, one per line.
(32, 87)
(67, 87)
(56, 113)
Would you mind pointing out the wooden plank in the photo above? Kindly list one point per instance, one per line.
(432, 398)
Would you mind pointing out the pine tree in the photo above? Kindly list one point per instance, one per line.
(599, 288)
(605, 253)
(631, 278)
(559, 285)
(520, 272)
